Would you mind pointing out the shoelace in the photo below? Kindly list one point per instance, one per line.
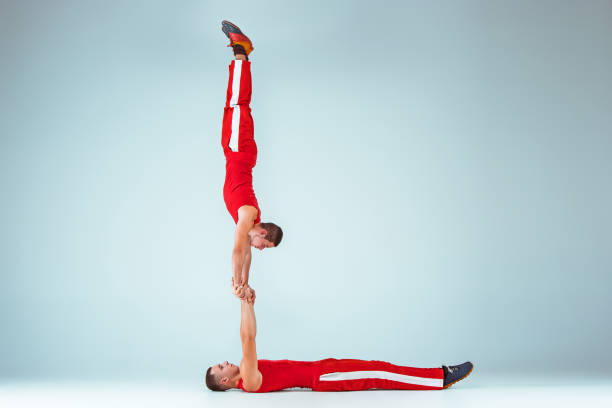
(452, 369)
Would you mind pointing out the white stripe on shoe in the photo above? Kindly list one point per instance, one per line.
(382, 375)
(233, 142)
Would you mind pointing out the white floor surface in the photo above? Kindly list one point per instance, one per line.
(493, 391)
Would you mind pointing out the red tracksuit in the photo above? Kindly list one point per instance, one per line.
(238, 142)
(345, 375)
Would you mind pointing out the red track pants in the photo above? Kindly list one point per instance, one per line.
(237, 133)
(356, 375)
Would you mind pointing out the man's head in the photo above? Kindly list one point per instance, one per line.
(220, 376)
(266, 235)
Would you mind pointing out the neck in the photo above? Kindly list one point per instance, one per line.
(253, 231)
(233, 382)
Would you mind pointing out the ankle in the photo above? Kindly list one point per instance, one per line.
(239, 52)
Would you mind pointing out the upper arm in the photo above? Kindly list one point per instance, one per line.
(251, 376)
(240, 238)
(246, 216)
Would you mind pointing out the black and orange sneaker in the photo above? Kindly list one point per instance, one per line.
(236, 37)
(455, 373)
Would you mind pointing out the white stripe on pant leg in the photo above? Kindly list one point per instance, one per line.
(236, 82)
(233, 142)
(382, 375)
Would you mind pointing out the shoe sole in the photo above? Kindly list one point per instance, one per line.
(456, 381)
(233, 25)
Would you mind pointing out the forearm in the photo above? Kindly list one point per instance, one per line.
(237, 266)
(246, 267)
(248, 324)
(241, 248)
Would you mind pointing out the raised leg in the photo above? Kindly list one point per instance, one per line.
(237, 134)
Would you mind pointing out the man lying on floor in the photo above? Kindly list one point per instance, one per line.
(325, 375)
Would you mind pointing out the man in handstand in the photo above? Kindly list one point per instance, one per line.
(240, 151)
(331, 374)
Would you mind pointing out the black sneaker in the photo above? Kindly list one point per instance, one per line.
(455, 373)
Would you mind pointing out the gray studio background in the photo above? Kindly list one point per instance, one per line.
(441, 171)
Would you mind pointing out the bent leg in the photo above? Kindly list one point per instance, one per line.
(357, 375)
(237, 133)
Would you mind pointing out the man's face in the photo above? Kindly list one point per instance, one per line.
(260, 242)
(225, 370)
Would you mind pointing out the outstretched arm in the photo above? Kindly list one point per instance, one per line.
(251, 377)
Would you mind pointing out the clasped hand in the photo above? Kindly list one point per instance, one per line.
(243, 292)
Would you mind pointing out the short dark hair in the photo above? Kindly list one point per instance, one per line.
(211, 381)
(275, 233)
